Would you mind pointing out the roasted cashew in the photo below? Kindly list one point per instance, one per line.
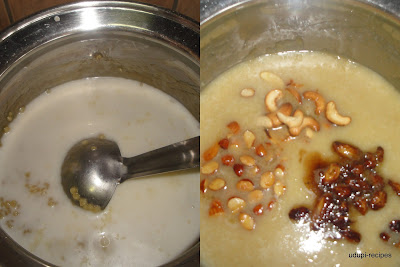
(285, 109)
(271, 98)
(295, 93)
(264, 121)
(247, 92)
(291, 121)
(307, 122)
(274, 80)
(318, 100)
(333, 115)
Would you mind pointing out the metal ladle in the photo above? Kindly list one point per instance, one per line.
(94, 167)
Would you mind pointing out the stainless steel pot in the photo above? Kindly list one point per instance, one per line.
(97, 38)
(365, 31)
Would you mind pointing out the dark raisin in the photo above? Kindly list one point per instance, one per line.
(370, 160)
(342, 191)
(361, 205)
(352, 236)
(378, 200)
(341, 222)
(377, 181)
(395, 186)
(227, 160)
(395, 226)
(224, 143)
(331, 174)
(358, 169)
(238, 168)
(300, 213)
(379, 154)
(384, 236)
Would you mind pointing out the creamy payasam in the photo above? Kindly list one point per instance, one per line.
(147, 223)
(299, 164)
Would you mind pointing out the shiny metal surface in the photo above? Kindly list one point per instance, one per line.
(95, 166)
(91, 39)
(211, 8)
(357, 30)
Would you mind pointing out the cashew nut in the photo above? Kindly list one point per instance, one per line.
(285, 109)
(307, 122)
(291, 121)
(333, 115)
(274, 80)
(264, 121)
(271, 98)
(295, 94)
(247, 92)
(318, 100)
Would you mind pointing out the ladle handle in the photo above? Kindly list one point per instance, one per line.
(178, 156)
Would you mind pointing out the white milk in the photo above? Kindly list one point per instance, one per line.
(147, 223)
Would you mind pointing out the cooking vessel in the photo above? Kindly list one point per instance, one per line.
(92, 39)
(367, 32)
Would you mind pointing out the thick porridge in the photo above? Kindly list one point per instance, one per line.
(147, 223)
(300, 164)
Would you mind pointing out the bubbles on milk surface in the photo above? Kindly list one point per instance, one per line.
(142, 217)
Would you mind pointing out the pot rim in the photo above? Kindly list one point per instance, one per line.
(211, 9)
(45, 26)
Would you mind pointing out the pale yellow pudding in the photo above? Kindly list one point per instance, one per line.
(244, 215)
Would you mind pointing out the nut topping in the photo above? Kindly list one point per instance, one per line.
(228, 160)
(209, 168)
(274, 80)
(265, 121)
(249, 138)
(378, 200)
(285, 109)
(259, 158)
(224, 143)
(346, 150)
(255, 196)
(247, 221)
(395, 186)
(217, 184)
(234, 127)
(235, 204)
(300, 213)
(210, 153)
(238, 169)
(245, 185)
(308, 122)
(291, 121)
(247, 160)
(395, 226)
(215, 208)
(260, 150)
(258, 209)
(295, 93)
(267, 180)
(332, 174)
(279, 188)
(271, 98)
(247, 92)
(350, 181)
(318, 100)
(333, 115)
(204, 185)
